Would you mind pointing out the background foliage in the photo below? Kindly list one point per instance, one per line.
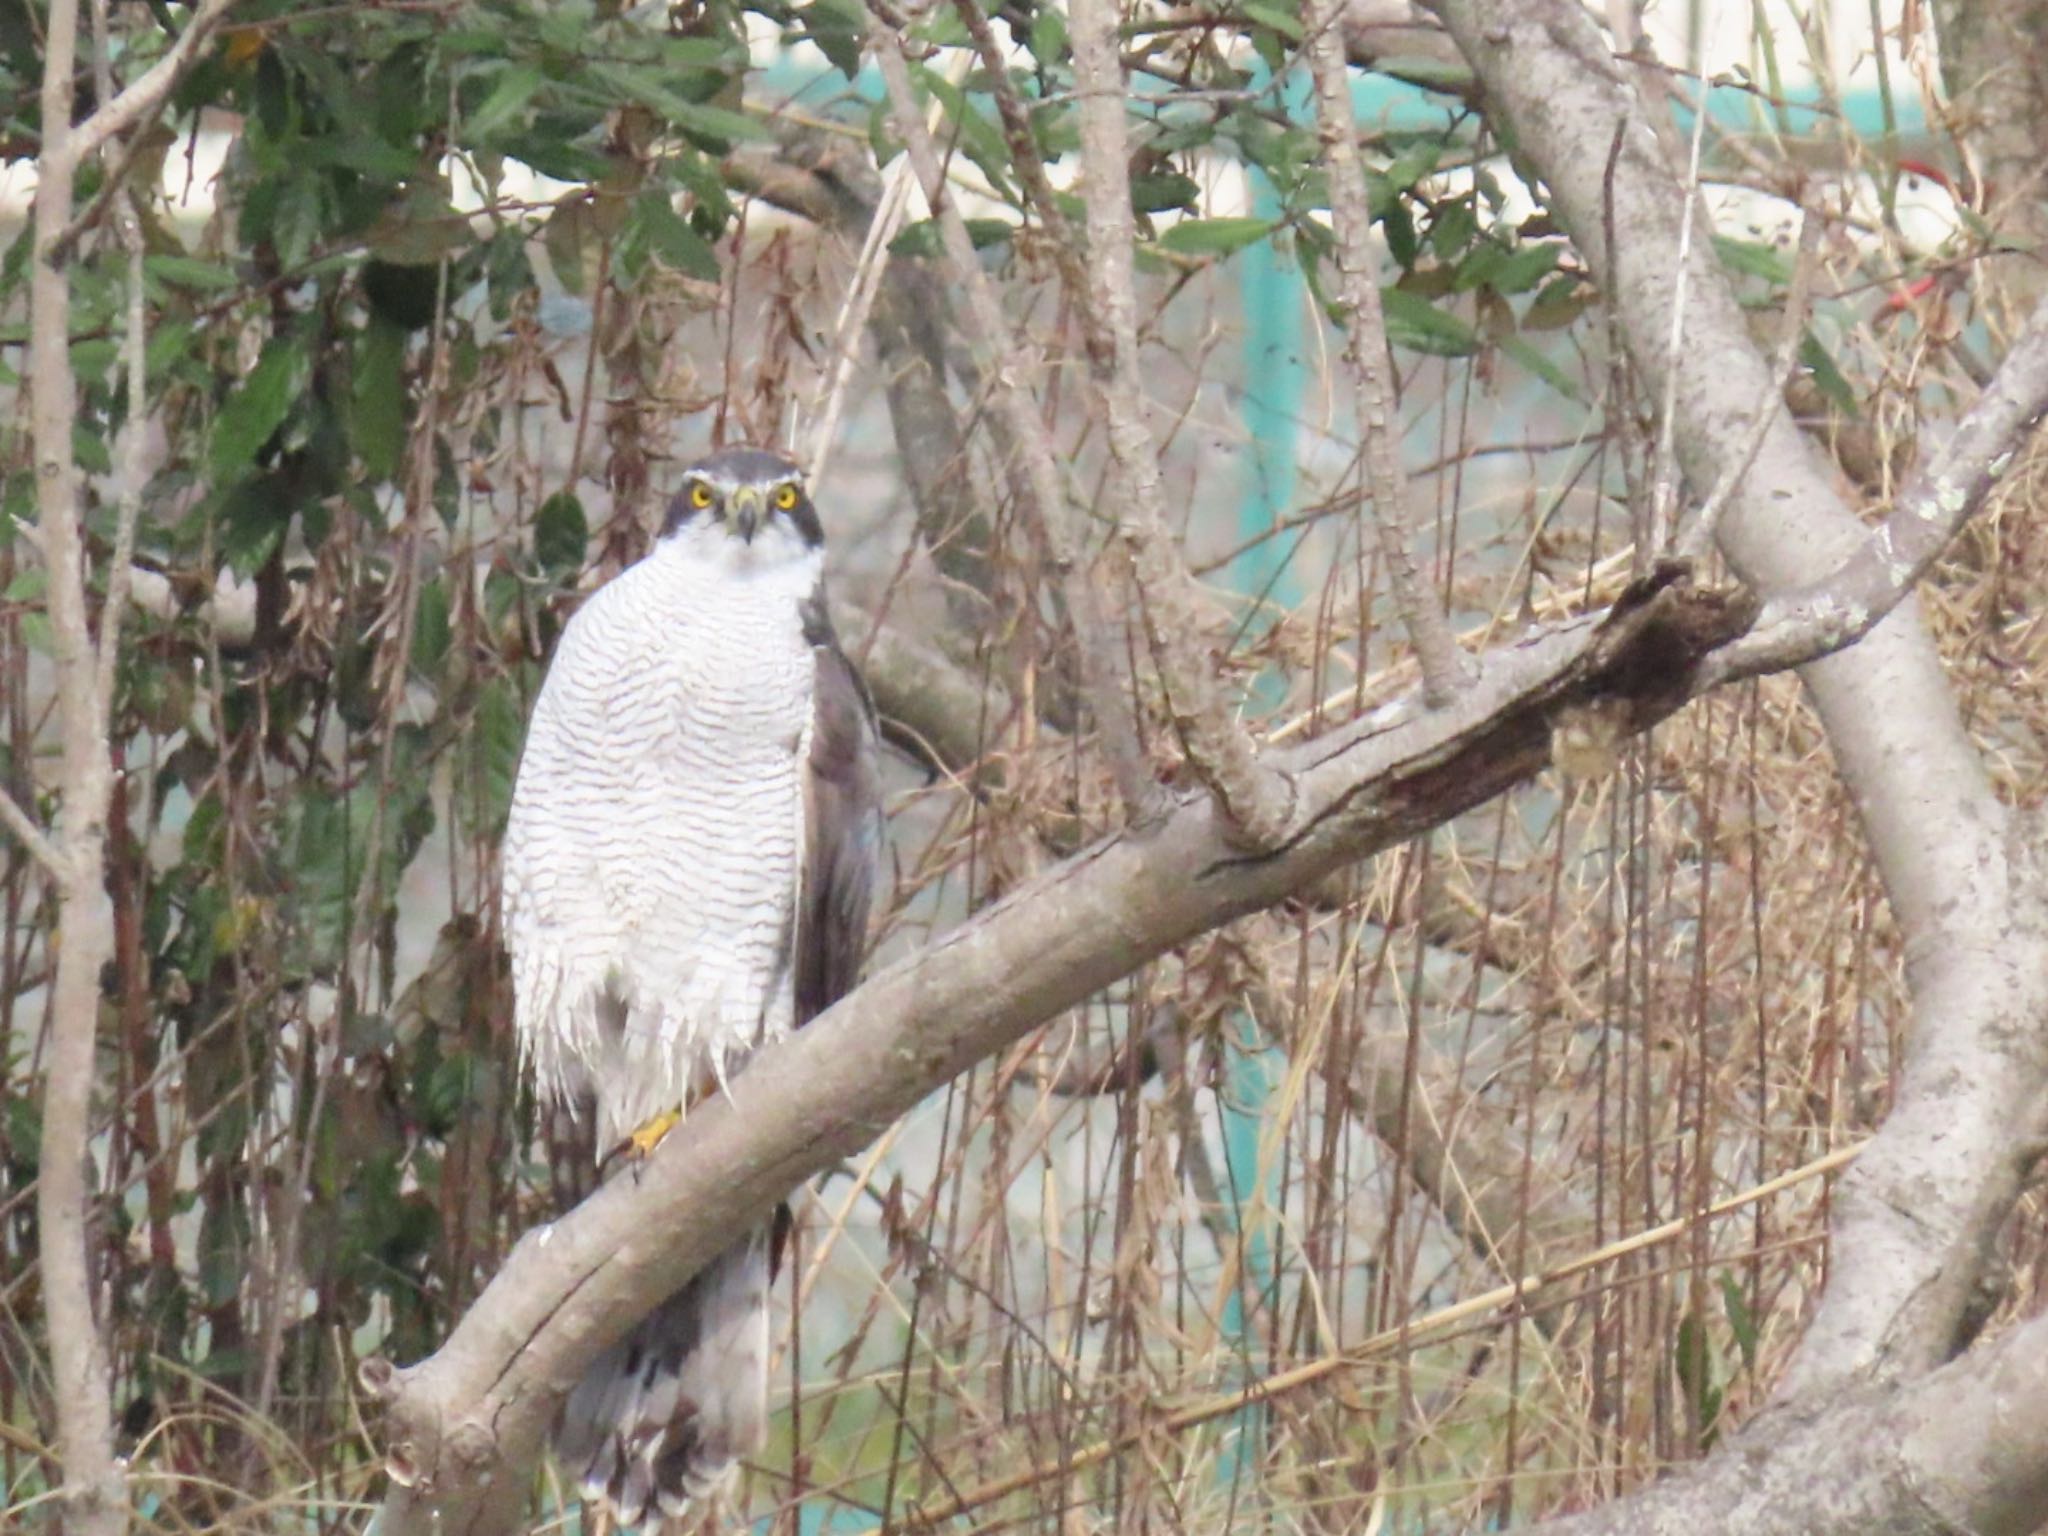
(422, 351)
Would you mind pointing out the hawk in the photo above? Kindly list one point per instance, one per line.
(688, 868)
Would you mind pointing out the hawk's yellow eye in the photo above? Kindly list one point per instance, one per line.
(785, 498)
(700, 495)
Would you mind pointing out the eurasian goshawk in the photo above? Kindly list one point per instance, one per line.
(687, 875)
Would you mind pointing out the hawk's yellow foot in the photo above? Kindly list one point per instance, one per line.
(648, 1137)
(641, 1144)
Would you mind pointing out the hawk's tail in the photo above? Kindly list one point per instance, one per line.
(661, 1419)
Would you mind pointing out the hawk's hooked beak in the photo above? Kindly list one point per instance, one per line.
(746, 507)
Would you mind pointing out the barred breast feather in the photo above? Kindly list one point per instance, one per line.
(652, 859)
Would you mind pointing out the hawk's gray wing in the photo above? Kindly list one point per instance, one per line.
(842, 827)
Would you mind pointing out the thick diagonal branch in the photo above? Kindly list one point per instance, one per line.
(1220, 750)
(1444, 668)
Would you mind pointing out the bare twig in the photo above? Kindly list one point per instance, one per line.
(1251, 794)
(1032, 460)
(1664, 479)
(94, 1481)
(853, 314)
(830, 185)
(1444, 669)
(1844, 606)
(133, 446)
(134, 109)
(1697, 537)
(869, 271)
(1030, 168)
(30, 836)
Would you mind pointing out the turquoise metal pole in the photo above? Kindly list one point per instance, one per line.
(1273, 298)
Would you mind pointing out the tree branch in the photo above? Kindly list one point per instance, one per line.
(1220, 750)
(93, 1489)
(1444, 668)
(1841, 608)
(145, 95)
(29, 835)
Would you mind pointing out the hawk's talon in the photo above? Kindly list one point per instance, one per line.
(641, 1144)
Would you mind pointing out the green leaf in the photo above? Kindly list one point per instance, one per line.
(36, 633)
(377, 422)
(90, 449)
(1431, 74)
(499, 733)
(188, 272)
(979, 139)
(1048, 40)
(1420, 326)
(1215, 237)
(170, 343)
(257, 407)
(1695, 1366)
(569, 239)
(1452, 229)
(300, 215)
(560, 534)
(653, 91)
(223, 1251)
(922, 238)
(430, 629)
(1287, 23)
(837, 26)
(1740, 1320)
(1398, 225)
(1162, 190)
(508, 99)
(1829, 379)
(91, 359)
(1533, 359)
(1523, 268)
(253, 518)
(721, 124)
(420, 226)
(1417, 160)
(1753, 258)
(669, 235)
(1559, 304)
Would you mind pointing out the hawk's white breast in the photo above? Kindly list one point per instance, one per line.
(655, 844)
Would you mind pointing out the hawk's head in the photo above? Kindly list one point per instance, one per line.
(752, 497)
